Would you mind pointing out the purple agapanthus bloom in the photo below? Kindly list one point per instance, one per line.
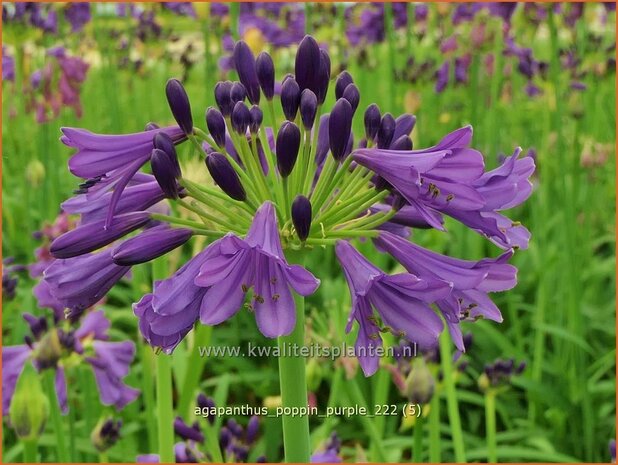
(449, 178)
(256, 262)
(112, 160)
(401, 302)
(8, 66)
(78, 15)
(169, 313)
(80, 282)
(50, 347)
(471, 281)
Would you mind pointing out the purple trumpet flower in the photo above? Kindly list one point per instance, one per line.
(401, 302)
(432, 179)
(168, 314)
(471, 281)
(138, 197)
(110, 364)
(502, 188)
(93, 236)
(257, 261)
(80, 282)
(150, 244)
(115, 157)
(100, 154)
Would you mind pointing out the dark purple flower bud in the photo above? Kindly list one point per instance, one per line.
(241, 117)
(93, 236)
(323, 77)
(307, 66)
(238, 92)
(151, 126)
(339, 127)
(187, 432)
(256, 119)
(179, 104)
(105, 434)
(216, 125)
(343, 80)
(301, 216)
(164, 142)
(164, 169)
(224, 175)
(290, 98)
(244, 63)
(386, 131)
(288, 143)
(403, 143)
(223, 98)
(263, 459)
(225, 437)
(240, 453)
(149, 245)
(206, 403)
(352, 95)
(266, 74)
(252, 429)
(234, 428)
(372, 121)
(308, 108)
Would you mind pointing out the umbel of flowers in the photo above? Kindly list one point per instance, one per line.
(284, 189)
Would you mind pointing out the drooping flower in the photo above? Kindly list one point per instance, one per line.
(470, 281)
(401, 302)
(449, 178)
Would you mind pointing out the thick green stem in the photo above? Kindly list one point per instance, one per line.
(165, 406)
(490, 425)
(165, 413)
(417, 447)
(451, 398)
(63, 453)
(30, 450)
(293, 385)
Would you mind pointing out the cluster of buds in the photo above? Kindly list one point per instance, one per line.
(499, 374)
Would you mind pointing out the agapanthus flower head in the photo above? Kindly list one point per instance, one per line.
(50, 347)
(280, 192)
